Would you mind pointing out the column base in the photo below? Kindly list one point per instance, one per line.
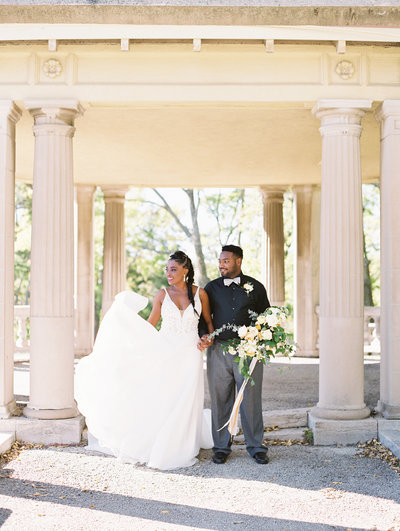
(327, 432)
(340, 414)
(388, 411)
(8, 410)
(82, 352)
(313, 353)
(51, 414)
(57, 431)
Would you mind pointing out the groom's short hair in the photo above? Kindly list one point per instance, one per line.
(235, 249)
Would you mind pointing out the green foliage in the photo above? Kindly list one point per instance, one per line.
(22, 257)
(224, 216)
(308, 436)
(371, 223)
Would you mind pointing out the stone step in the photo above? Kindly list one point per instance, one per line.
(6, 441)
(391, 439)
(49, 431)
(285, 434)
(285, 418)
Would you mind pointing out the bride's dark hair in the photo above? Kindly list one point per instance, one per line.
(183, 259)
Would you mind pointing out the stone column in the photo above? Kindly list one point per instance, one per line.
(9, 116)
(389, 116)
(273, 243)
(341, 380)
(114, 263)
(84, 317)
(307, 253)
(52, 261)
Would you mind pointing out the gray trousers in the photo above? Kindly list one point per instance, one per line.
(223, 376)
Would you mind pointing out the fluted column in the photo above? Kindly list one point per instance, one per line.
(52, 261)
(114, 263)
(84, 316)
(9, 115)
(273, 244)
(341, 377)
(305, 275)
(389, 116)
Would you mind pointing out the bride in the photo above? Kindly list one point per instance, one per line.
(141, 390)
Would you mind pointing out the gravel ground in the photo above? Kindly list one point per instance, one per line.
(302, 488)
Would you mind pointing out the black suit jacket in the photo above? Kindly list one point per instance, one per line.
(231, 304)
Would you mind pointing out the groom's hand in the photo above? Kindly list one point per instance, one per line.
(204, 342)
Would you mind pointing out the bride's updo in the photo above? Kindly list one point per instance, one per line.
(183, 259)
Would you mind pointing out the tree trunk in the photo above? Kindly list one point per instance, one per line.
(196, 239)
(368, 301)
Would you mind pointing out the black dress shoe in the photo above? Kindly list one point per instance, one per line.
(261, 458)
(220, 458)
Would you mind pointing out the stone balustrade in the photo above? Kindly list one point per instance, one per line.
(21, 320)
(372, 329)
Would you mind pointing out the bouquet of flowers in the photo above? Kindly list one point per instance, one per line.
(262, 340)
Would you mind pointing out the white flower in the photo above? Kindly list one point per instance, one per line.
(250, 348)
(231, 350)
(252, 332)
(272, 320)
(266, 334)
(242, 331)
(261, 319)
(273, 310)
(248, 287)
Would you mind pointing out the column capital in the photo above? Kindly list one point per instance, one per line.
(341, 105)
(302, 188)
(341, 117)
(114, 194)
(54, 112)
(9, 110)
(84, 192)
(272, 194)
(388, 114)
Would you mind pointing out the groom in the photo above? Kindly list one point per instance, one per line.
(230, 303)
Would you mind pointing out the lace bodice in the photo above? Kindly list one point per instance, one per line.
(176, 321)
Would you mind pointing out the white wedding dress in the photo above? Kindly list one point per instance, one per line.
(141, 390)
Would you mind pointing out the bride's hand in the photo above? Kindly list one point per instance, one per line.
(204, 342)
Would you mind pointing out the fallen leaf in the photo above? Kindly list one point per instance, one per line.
(165, 512)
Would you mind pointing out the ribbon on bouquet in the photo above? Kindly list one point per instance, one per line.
(233, 419)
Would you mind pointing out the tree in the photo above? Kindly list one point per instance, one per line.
(371, 243)
(192, 233)
(22, 257)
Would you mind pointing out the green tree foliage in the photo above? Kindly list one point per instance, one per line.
(371, 238)
(154, 230)
(22, 258)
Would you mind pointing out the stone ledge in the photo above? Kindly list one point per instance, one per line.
(285, 418)
(201, 14)
(289, 434)
(6, 441)
(59, 431)
(386, 424)
(329, 432)
(391, 439)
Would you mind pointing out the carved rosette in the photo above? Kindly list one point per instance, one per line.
(52, 68)
(345, 69)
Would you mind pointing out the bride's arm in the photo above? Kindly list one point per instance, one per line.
(205, 310)
(155, 314)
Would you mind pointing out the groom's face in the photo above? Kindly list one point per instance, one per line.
(229, 265)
